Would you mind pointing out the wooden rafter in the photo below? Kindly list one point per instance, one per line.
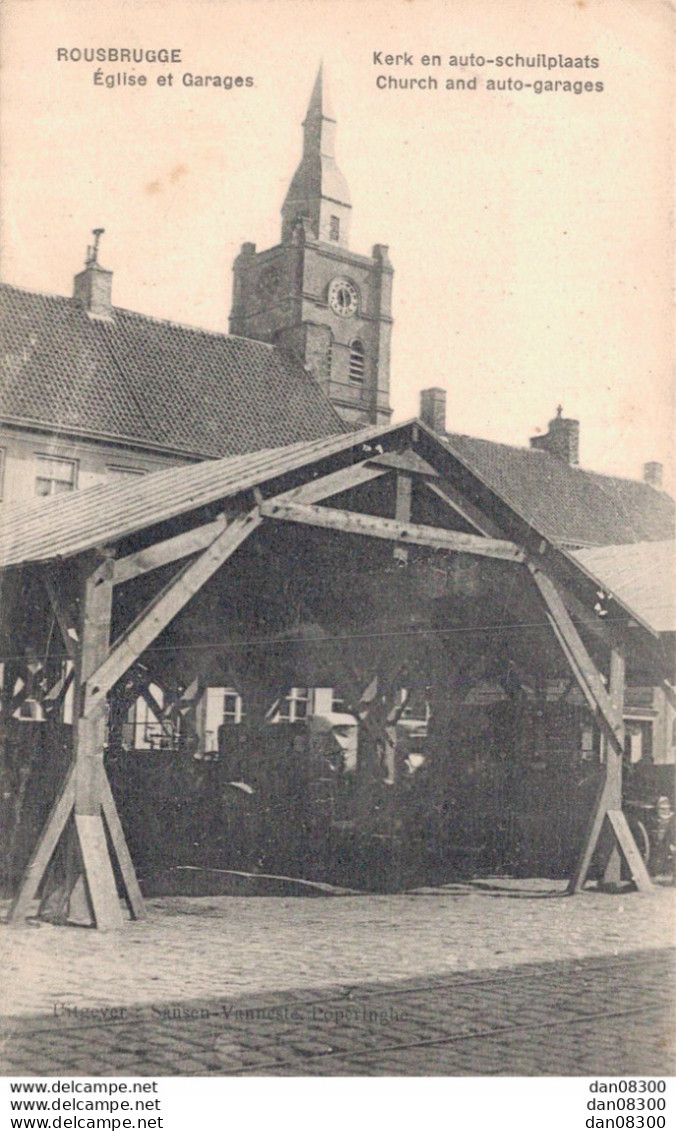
(170, 550)
(351, 522)
(461, 506)
(346, 479)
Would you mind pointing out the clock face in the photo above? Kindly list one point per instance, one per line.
(343, 297)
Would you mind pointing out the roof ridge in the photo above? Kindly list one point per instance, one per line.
(31, 291)
(539, 452)
(146, 317)
(194, 329)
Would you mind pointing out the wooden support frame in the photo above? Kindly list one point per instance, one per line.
(607, 819)
(412, 534)
(346, 479)
(89, 871)
(164, 607)
(171, 550)
(86, 793)
(471, 514)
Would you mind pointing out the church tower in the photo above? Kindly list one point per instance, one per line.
(311, 294)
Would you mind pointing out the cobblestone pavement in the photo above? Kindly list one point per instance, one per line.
(600, 1016)
(479, 979)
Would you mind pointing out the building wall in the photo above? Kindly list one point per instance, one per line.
(26, 455)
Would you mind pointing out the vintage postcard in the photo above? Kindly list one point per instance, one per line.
(338, 723)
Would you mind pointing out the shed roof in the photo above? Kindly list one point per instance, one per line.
(642, 575)
(69, 524)
(152, 382)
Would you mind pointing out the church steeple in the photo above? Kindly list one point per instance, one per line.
(311, 295)
(318, 190)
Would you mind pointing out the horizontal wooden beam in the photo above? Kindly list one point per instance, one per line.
(406, 533)
(164, 607)
(170, 550)
(345, 479)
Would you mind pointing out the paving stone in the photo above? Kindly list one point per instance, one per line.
(535, 987)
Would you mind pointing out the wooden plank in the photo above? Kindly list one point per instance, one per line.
(612, 871)
(99, 874)
(350, 522)
(171, 550)
(89, 734)
(90, 737)
(402, 510)
(583, 666)
(408, 460)
(132, 890)
(579, 876)
(44, 849)
(345, 479)
(627, 844)
(165, 606)
(467, 510)
(616, 686)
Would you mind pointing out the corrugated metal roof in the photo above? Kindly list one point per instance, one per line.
(641, 574)
(70, 524)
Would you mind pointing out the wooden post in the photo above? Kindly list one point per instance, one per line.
(89, 877)
(612, 872)
(98, 667)
(607, 816)
(402, 511)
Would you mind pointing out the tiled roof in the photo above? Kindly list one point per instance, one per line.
(571, 506)
(146, 380)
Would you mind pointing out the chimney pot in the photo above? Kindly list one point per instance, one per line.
(652, 473)
(562, 438)
(433, 408)
(92, 288)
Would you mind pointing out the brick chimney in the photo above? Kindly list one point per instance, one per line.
(433, 409)
(562, 439)
(92, 288)
(652, 474)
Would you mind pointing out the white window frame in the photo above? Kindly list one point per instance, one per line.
(42, 462)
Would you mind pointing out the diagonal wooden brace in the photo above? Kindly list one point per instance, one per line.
(607, 706)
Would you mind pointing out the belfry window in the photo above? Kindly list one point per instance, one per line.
(356, 361)
(334, 228)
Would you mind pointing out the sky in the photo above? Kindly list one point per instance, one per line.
(530, 232)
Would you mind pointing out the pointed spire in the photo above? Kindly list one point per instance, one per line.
(320, 108)
(318, 190)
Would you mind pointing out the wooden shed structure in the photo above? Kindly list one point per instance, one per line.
(476, 673)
